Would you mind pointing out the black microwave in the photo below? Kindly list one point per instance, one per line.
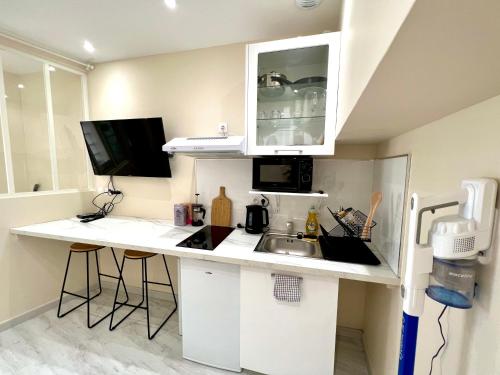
(288, 174)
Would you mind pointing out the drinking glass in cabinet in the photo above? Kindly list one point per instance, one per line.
(291, 96)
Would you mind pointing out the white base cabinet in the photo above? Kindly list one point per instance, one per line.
(211, 313)
(280, 338)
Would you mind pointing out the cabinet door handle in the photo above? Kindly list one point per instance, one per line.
(208, 272)
(298, 152)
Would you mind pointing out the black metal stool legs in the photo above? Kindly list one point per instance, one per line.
(120, 304)
(145, 297)
(170, 282)
(87, 298)
(63, 291)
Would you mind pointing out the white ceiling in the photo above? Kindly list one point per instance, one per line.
(122, 29)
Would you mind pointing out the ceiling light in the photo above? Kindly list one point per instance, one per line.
(20, 86)
(171, 4)
(51, 68)
(88, 46)
(307, 4)
(6, 96)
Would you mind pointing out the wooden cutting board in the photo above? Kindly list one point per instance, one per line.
(221, 209)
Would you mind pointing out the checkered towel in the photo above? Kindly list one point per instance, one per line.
(287, 288)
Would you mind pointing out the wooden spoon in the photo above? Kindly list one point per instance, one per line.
(374, 203)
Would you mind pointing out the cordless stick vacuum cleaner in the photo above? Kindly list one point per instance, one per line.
(444, 267)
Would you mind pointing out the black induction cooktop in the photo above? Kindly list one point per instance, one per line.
(207, 238)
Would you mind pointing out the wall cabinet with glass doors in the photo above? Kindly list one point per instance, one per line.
(292, 95)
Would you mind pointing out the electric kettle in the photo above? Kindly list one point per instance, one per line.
(257, 219)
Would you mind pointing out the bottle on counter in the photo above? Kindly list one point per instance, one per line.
(312, 225)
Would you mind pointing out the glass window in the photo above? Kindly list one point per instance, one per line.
(3, 174)
(27, 121)
(67, 105)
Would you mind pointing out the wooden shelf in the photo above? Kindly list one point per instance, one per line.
(311, 195)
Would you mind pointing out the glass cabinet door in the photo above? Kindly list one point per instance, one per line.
(292, 96)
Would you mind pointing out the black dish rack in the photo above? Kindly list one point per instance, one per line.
(353, 227)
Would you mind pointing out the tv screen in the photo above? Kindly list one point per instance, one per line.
(130, 147)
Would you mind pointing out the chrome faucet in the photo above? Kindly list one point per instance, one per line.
(289, 227)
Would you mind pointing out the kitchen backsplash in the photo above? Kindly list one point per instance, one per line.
(348, 183)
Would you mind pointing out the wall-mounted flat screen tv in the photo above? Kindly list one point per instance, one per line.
(130, 147)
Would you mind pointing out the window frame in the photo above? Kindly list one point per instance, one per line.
(4, 127)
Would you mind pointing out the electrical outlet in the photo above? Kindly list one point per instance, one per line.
(222, 128)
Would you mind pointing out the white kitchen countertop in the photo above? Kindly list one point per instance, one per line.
(161, 236)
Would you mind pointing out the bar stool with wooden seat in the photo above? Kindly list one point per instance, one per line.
(83, 248)
(143, 257)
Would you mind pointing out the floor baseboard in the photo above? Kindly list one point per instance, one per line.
(30, 314)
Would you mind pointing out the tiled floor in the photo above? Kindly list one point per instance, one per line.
(48, 345)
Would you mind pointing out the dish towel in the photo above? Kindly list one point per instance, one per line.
(287, 288)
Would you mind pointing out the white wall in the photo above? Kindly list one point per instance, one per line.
(191, 90)
(462, 145)
(368, 29)
(348, 183)
(32, 269)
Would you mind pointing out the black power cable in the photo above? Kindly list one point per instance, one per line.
(442, 337)
(107, 207)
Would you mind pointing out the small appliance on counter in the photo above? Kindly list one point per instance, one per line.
(198, 213)
(288, 174)
(207, 238)
(257, 219)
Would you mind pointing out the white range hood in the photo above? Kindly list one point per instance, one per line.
(206, 145)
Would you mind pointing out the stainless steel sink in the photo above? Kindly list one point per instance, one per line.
(279, 243)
